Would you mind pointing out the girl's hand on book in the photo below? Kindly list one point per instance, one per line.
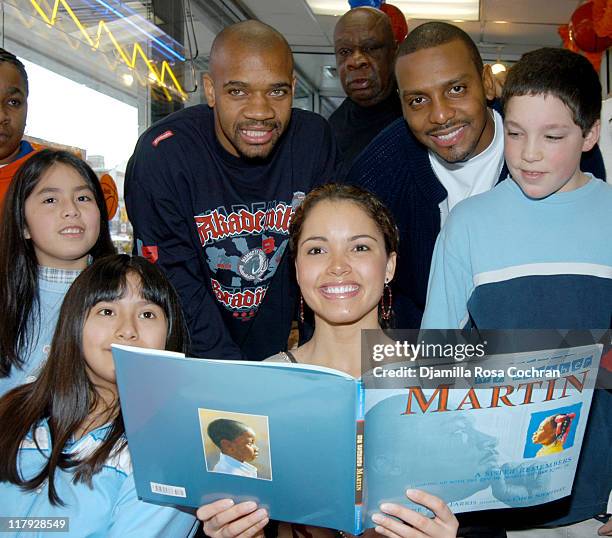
(224, 519)
(413, 524)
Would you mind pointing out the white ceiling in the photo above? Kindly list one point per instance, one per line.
(506, 30)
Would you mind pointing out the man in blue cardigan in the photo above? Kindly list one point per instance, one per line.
(447, 147)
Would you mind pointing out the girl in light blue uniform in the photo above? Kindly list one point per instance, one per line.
(63, 451)
(54, 222)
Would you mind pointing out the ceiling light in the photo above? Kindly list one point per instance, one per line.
(498, 68)
(127, 78)
(467, 10)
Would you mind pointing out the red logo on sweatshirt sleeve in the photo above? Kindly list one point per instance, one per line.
(606, 361)
(150, 253)
(162, 137)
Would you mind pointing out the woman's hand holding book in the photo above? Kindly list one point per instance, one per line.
(225, 519)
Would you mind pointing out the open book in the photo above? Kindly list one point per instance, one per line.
(315, 446)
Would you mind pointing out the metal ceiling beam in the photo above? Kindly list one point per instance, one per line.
(221, 13)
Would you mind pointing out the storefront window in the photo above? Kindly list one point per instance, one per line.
(100, 72)
(65, 112)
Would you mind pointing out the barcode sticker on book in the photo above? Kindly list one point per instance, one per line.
(165, 489)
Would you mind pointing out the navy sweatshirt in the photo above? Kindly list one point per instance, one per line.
(218, 225)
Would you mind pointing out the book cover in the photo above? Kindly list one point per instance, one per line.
(478, 446)
(306, 453)
(304, 421)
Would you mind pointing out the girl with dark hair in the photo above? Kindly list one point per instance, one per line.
(63, 450)
(54, 222)
(344, 242)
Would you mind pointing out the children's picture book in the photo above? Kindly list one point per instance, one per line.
(315, 446)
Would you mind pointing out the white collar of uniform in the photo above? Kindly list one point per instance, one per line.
(247, 468)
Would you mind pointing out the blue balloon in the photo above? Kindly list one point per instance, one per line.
(365, 3)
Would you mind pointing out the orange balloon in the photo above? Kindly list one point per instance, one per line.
(602, 17)
(570, 44)
(583, 30)
(111, 196)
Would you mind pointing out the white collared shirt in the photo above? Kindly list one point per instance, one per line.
(229, 465)
(476, 175)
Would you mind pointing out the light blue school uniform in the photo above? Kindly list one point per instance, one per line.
(52, 287)
(109, 509)
(505, 261)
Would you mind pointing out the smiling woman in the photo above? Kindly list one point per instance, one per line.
(344, 243)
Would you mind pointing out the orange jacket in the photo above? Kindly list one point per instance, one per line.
(7, 172)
